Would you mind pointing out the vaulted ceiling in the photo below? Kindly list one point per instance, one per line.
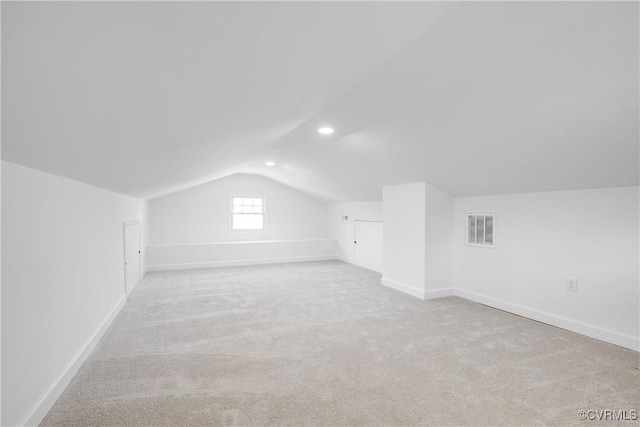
(476, 98)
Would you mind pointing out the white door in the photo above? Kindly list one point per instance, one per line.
(367, 244)
(131, 256)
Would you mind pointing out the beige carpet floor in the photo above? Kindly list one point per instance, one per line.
(323, 343)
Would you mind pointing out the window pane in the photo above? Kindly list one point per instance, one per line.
(480, 229)
(472, 229)
(247, 222)
(488, 230)
(247, 213)
(237, 205)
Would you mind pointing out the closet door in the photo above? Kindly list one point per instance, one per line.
(368, 244)
(131, 256)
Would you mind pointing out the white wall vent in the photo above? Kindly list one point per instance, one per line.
(481, 229)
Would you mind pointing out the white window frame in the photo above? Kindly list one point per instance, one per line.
(248, 230)
(480, 245)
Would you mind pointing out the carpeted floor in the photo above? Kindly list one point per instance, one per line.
(323, 343)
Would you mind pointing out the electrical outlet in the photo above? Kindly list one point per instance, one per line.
(572, 284)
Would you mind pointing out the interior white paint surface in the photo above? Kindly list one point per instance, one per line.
(62, 278)
(341, 230)
(202, 214)
(144, 236)
(475, 98)
(439, 240)
(543, 238)
(132, 255)
(404, 211)
(368, 250)
(0, 241)
(521, 96)
(211, 85)
(184, 256)
(418, 240)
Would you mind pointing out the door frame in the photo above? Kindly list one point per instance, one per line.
(354, 234)
(126, 224)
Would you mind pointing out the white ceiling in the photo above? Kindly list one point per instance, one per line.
(475, 98)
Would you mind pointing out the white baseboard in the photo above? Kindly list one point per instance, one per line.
(344, 259)
(40, 409)
(606, 335)
(234, 263)
(418, 293)
(439, 293)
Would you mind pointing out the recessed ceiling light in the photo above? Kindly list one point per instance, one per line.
(270, 163)
(325, 131)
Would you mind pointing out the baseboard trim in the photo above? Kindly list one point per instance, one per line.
(601, 334)
(398, 286)
(439, 293)
(40, 409)
(418, 293)
(234, 263)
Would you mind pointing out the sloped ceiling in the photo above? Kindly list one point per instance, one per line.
(475, 98)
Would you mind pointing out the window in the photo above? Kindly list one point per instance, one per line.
(481, 229)
(247, 213)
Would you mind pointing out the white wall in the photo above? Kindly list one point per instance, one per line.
(202, 214)
(439, 230)
(62, 280)
(205, 255)
(541, 239)
(342, 230)
(418, 240)
(404, 211)
(0, 270)
(144, 236)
